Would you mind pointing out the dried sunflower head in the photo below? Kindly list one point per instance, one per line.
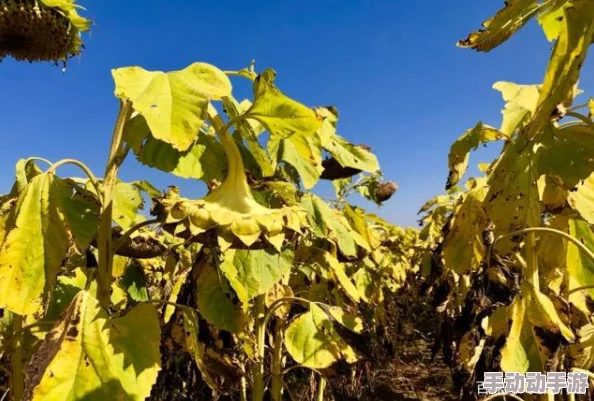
(40, 30)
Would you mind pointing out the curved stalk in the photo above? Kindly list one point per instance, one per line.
(83, 167)
(104, 241)
(570, 238)
(40, 159)
(582, 118)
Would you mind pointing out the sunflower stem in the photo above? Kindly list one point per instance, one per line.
(117, 153)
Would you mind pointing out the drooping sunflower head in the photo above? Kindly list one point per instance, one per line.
(41, 30)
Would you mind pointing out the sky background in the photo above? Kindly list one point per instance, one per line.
(390, 67)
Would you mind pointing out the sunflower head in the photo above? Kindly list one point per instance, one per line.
(40, 30)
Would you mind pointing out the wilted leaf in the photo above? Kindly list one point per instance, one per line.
(204, 159)
(502, 25)
(174, 104)
(88, 356)
(470, 140)
(312, 341)
(33, 250)
(214, 305)
(253, 272)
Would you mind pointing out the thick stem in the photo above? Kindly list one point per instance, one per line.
(276, 388)
(321, 388)
(243, 394)
(258, 372)
(104, 239)
(18, 373)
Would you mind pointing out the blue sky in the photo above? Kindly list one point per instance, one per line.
(390, 67)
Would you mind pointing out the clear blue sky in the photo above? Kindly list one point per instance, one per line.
(391, 68)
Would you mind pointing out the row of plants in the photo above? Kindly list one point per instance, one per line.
(511, 251)
(101, 296)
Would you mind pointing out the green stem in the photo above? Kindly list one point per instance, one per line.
(83, 167)
(258, 372)
(18, 372)
(321, 388)
(104, 240)
(276, 390)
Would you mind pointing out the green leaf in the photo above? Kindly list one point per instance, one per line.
(566, 62)
(33, 250)
(196, 348)
(330, 224)
(338, 270)
(214, 305)
(459, 152)
(567, 154)
(174, 104)
(204, 159)
(127, 201)
(302, 152)
(512, 202)
(349, 155)
(580, 268)
(292, 127)
(313, 342)
(463, 247)
(502, 25)
(280, 115)
(88, 356)
(521, 102)
(134, 282)
(582, 199)
(253, 272)
(551, 20)
(81, 212)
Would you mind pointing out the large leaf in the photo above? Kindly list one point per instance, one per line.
(292, 127)
(512, 202)
(174, 104)
(253, 272)
(204, 159)
(470, 140)
(536, 332)
(332, 225)
(313, 342)
(566, 61)
(88, 356)
(214, 304)
(567, 154)
(32, 252)
(463, 247)
(502, 25)
(349, 155)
